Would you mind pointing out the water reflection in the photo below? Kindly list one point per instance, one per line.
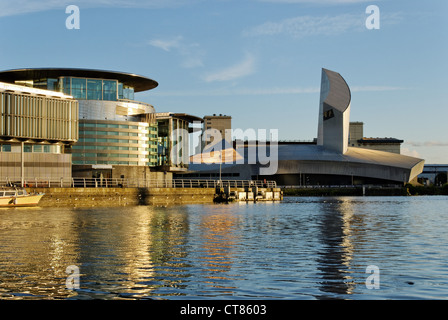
(336, 255)
(314, 248)
(218, 241)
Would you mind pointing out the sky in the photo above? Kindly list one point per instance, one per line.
(259, 61)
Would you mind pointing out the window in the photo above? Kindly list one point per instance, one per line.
(110, 90)
(52, 84)
(27, 148)
(66, 85)
(120, 91)
(128, 93)
(6, 148)
(79, 88)
(94, 89)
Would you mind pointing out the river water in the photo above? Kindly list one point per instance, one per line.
(302, 248)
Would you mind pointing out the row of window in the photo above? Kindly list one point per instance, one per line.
(109, 133)
(85, 88)
(105, 140)
(150, 149)
(117, 133)
(95, 89)
(106, 155)
(127, 163)
(108, 125)
(76, 147)
(37, 148)
(112, 155)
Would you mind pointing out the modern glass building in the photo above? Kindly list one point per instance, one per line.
(119, 137)
(173, 141)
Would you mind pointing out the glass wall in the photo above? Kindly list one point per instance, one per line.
(115, 143)
(109, 90)
(79, 88)
(85, 88)
(125, 92)
(94, 89)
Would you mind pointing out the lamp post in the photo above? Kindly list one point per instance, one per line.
(220, 163)
(22, 165)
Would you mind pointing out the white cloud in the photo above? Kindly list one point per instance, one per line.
(427, 143)
(11, 8)
(304, 26)
(241, 69)
(191, 53)
(408, 152)
(166, 44)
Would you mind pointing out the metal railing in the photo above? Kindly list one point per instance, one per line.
(132, 183)
(348, 186)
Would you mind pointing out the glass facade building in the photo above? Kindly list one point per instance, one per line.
(116, 133)
(85, 88)
(116, 143)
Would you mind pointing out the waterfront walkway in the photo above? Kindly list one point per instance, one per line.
(133, 183)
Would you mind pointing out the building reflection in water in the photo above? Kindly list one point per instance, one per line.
(216, 250)
(118, 252)
(138, 253)
(36, 247)
(336, 255)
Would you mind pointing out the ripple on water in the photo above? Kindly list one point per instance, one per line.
(302, 248)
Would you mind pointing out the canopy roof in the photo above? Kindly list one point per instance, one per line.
(139, 83)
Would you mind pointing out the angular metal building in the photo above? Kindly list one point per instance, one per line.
(36, 128)
(328, 161)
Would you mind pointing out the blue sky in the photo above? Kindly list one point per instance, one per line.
(259, 61)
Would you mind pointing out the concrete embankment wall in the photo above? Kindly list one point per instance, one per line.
(102, 197)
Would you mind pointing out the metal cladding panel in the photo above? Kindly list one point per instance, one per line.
(339, 95)
(314, 159)
(36, 165)
(30, 116)
(112, 110)
(334, 112)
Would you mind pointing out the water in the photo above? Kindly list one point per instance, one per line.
(302, 248)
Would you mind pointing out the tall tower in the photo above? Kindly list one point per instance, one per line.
(334, 112)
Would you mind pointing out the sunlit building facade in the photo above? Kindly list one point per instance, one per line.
(329, 160)
(37, 128)
(119, 137)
